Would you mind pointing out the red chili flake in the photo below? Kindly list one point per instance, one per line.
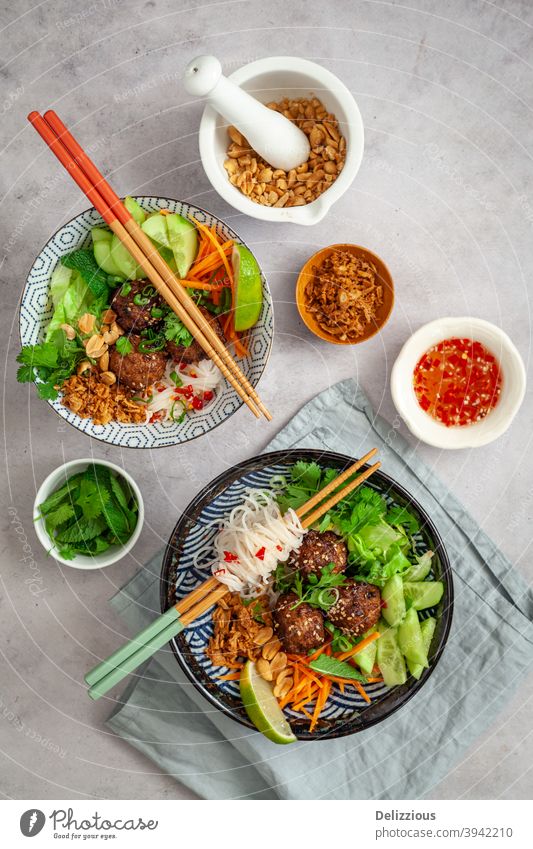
(183, 366)
(261, 553)
(197, 403)
(457, 382)
(229, 557)
(279, 548)
(208, 396)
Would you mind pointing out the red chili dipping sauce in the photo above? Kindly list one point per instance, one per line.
(458, 382)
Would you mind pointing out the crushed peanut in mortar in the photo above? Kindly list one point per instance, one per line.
(277, 188)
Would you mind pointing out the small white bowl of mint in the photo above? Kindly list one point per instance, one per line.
(88, 513)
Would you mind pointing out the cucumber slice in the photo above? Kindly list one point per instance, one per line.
(124, 261)
(410, 639)
(390, 659)
(156, 228)
(423, 594)
(183, 240)
(99, 234)
(419, 571)
(137, 212)
(102, 242)
(168, 256)
(394, 601)
(427, 628)
(366, 658)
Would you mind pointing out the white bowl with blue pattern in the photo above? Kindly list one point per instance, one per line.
(191, 551)
(36, 311)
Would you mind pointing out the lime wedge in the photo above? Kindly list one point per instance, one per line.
(248, 288)
(262, 707)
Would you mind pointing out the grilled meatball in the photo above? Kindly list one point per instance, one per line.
(130, 316)
(357, 608)
(317, 551)
(137, 370)
(194, 353)
(300, 629)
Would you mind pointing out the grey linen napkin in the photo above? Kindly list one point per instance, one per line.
(489, 650)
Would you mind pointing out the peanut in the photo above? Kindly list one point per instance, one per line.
(267, 186)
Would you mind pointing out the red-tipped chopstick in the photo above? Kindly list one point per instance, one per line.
(106, 201)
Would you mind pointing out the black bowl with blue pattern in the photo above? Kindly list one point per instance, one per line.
(36, 311)
(186, 564)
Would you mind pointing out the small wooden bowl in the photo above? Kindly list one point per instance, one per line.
(385, 279)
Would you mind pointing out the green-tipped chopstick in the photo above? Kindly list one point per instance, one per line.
(141, 639)
(128, 657)
(132, 661)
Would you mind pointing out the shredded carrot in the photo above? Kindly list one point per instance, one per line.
(298, 707)
(319, 706)
(362, 691)
(341, 686)
(359, 647)
(216, 243)
(233, 676)
(374, 680)
(306, 713)
(165, 212)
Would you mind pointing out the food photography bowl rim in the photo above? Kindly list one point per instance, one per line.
(312, 213)
(423, 426)
(87, 426)
(80, 561)
(396, 696)
(305, 273)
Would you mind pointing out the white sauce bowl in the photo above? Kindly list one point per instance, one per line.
(426, 428)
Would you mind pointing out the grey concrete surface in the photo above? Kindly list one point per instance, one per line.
(444, 195)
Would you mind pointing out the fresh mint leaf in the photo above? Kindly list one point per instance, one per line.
(116, 521)
(81, 531)
(60, 515)
(118, 492)
(326, 665)
(91, 497)
(83, 261)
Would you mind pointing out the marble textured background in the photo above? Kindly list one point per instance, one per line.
(444, 194)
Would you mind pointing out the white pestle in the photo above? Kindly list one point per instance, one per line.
(273, 136)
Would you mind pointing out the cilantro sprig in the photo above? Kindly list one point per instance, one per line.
(51, 362)
(318, 590)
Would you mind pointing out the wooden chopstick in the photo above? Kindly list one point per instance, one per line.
(108, 213)
(124, 217)
(323, 508)
(331, 487)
